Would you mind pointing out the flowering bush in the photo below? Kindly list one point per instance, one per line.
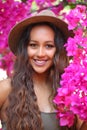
(72, 95)
(10, 13)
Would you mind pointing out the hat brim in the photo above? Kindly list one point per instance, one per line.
(18, 29)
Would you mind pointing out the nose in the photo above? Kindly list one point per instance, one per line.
(41, 52)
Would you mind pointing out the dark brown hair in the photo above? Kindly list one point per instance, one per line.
(23, 112)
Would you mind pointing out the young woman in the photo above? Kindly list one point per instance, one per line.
(26, 100)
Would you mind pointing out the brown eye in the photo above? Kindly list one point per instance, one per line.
(49, 46)
(32, 45)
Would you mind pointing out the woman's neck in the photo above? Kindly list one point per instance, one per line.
(43, 90)
(41, 79)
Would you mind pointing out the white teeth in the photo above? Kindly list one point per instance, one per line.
(40, 62)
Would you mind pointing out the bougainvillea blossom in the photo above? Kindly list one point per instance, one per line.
(10, 13)
(71, 98)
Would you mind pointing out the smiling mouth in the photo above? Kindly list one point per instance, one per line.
(40, 62)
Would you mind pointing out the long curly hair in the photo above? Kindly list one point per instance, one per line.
(23, 112)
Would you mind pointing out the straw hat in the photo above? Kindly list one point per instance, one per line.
(43, 16)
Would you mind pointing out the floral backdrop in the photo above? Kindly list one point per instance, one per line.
(71, 98)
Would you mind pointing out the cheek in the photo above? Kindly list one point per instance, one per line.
(30, 52)
(53, 53)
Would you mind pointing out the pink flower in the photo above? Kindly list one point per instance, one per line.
(57, 9)
(71, 98)
(67, 119)
(77, 16)
(10, 12)
(71, 47)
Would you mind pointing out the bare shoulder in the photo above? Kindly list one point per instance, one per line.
(5, 89)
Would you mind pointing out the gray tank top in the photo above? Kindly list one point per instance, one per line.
(49, 121)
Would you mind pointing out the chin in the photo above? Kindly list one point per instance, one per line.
(40, 71)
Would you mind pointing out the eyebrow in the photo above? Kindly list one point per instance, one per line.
(33, 41)
(37, 41)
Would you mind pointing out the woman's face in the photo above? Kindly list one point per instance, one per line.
(41, 48)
